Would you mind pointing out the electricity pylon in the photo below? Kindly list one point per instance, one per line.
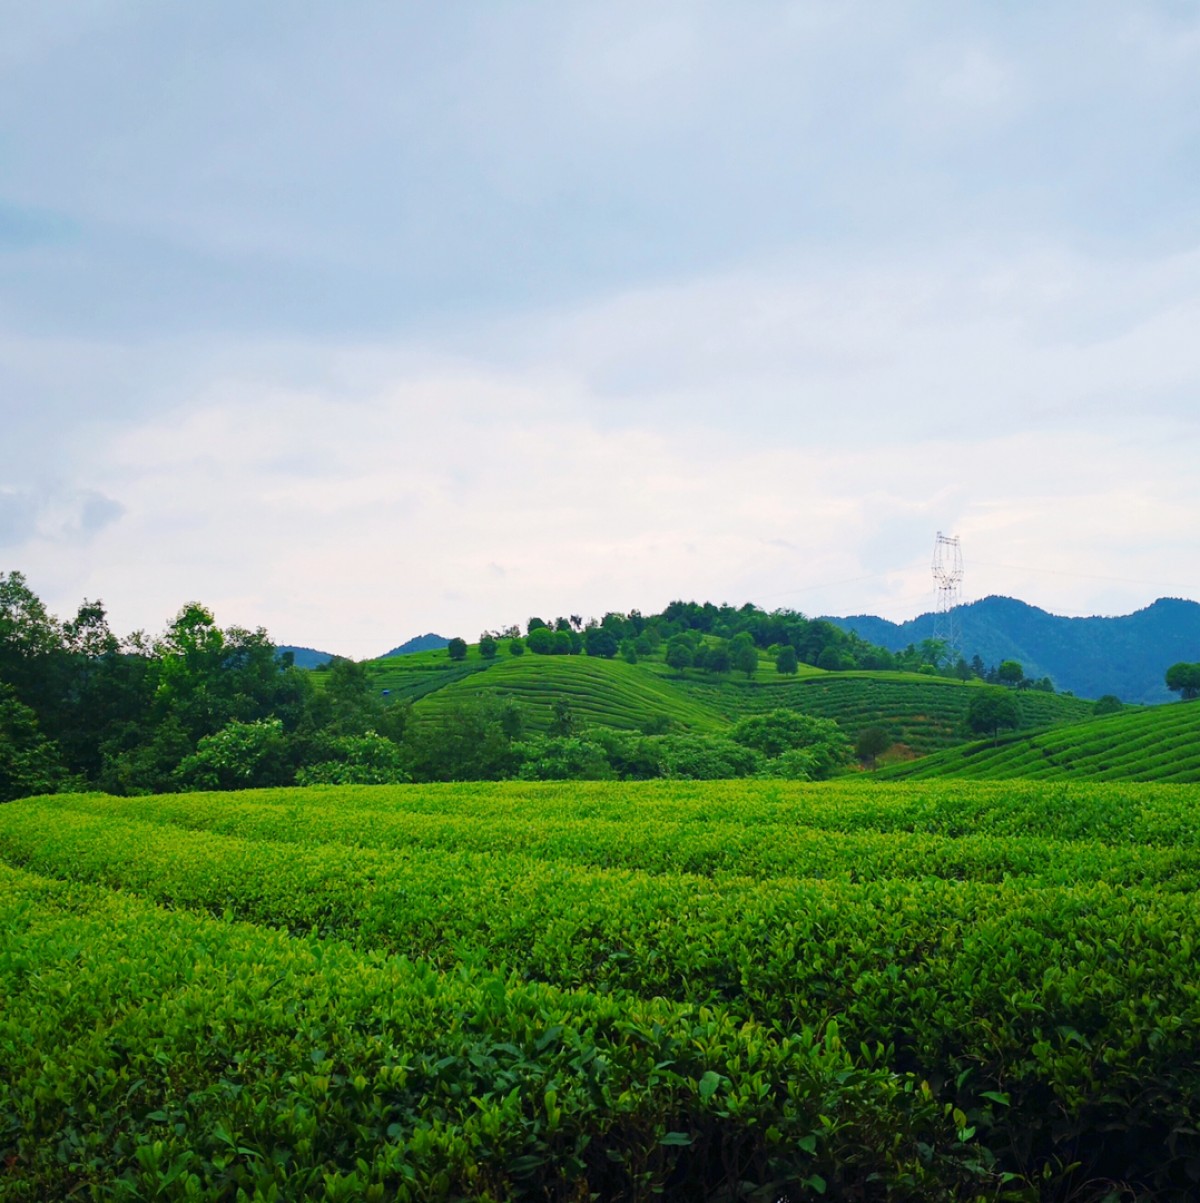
(948, 575)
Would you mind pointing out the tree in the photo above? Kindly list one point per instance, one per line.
(1184, 679)
(563, 722)
(1108, 704)
(991, 710)
(488, 647)
(1010, 672)
(871, 742)
(679, 653)
(516, 647)
(457, 648)
(540, 641)
(600, 641)
(239, 756)
(786, 662)
(745, 660)
(781, 732)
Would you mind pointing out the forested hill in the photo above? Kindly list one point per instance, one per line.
(419, 643)
(1126, 655)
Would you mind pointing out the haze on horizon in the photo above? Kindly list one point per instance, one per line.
(359, 323)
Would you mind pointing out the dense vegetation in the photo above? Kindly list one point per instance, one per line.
(520, 991)
(630, 696)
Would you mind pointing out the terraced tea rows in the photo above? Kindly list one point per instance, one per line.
(1160, 744)
(520, 991)
(925, 714)
(607, 693)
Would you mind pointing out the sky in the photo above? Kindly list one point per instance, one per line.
(357, 321)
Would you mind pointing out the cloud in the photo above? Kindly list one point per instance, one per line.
(54, 515)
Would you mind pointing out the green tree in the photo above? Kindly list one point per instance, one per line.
(786, 662)
(488, 647)
(540, 641)
(1108, 704)
(563, 722)
(1010, 672)
(992, 710)
(457, 648)
(871, 743)
(516, 647)
(600, 641)
(1184, 679)
(679, 653)
(780, 731)
(367, 759)
(745, 660)
(239, 756)
(29, 762)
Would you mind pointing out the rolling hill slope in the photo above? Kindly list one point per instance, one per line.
(924, 714)
(1158, 744)
(608, 693)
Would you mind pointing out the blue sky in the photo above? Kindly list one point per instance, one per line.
(356, 321)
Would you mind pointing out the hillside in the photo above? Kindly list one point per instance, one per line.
(923, 714)
(1125, 655)
(1158, 744)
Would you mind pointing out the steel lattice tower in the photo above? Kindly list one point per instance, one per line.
(948, 575)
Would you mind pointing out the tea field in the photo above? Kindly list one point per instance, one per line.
(1161, 744)
(750, 990)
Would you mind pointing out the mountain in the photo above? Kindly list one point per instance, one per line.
(1126, 655)
(305, 657)
(419, 643)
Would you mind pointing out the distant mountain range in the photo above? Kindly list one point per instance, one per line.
(305, 657)
(1126, 656)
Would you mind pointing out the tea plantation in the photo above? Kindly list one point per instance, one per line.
(728, 991)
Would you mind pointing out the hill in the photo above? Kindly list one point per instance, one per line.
(1158, 744)
(419, 643)
(922, 714)
(1125, 655)
(305, 657)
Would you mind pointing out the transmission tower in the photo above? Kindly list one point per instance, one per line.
(947, 576)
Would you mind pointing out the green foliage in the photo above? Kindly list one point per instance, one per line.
(524, 990)
(367, 759)
(679, 653)
(540, 641)
(1108, 704)
(600, 641)
(786, 663)
(516, 647)
(707, 759)
(1184, 679)
(488, 647)
(239, 756)
(1010, 672)
(457, 648)
(29, 763)
(562, 758)
(990, 711)
(871, 743)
